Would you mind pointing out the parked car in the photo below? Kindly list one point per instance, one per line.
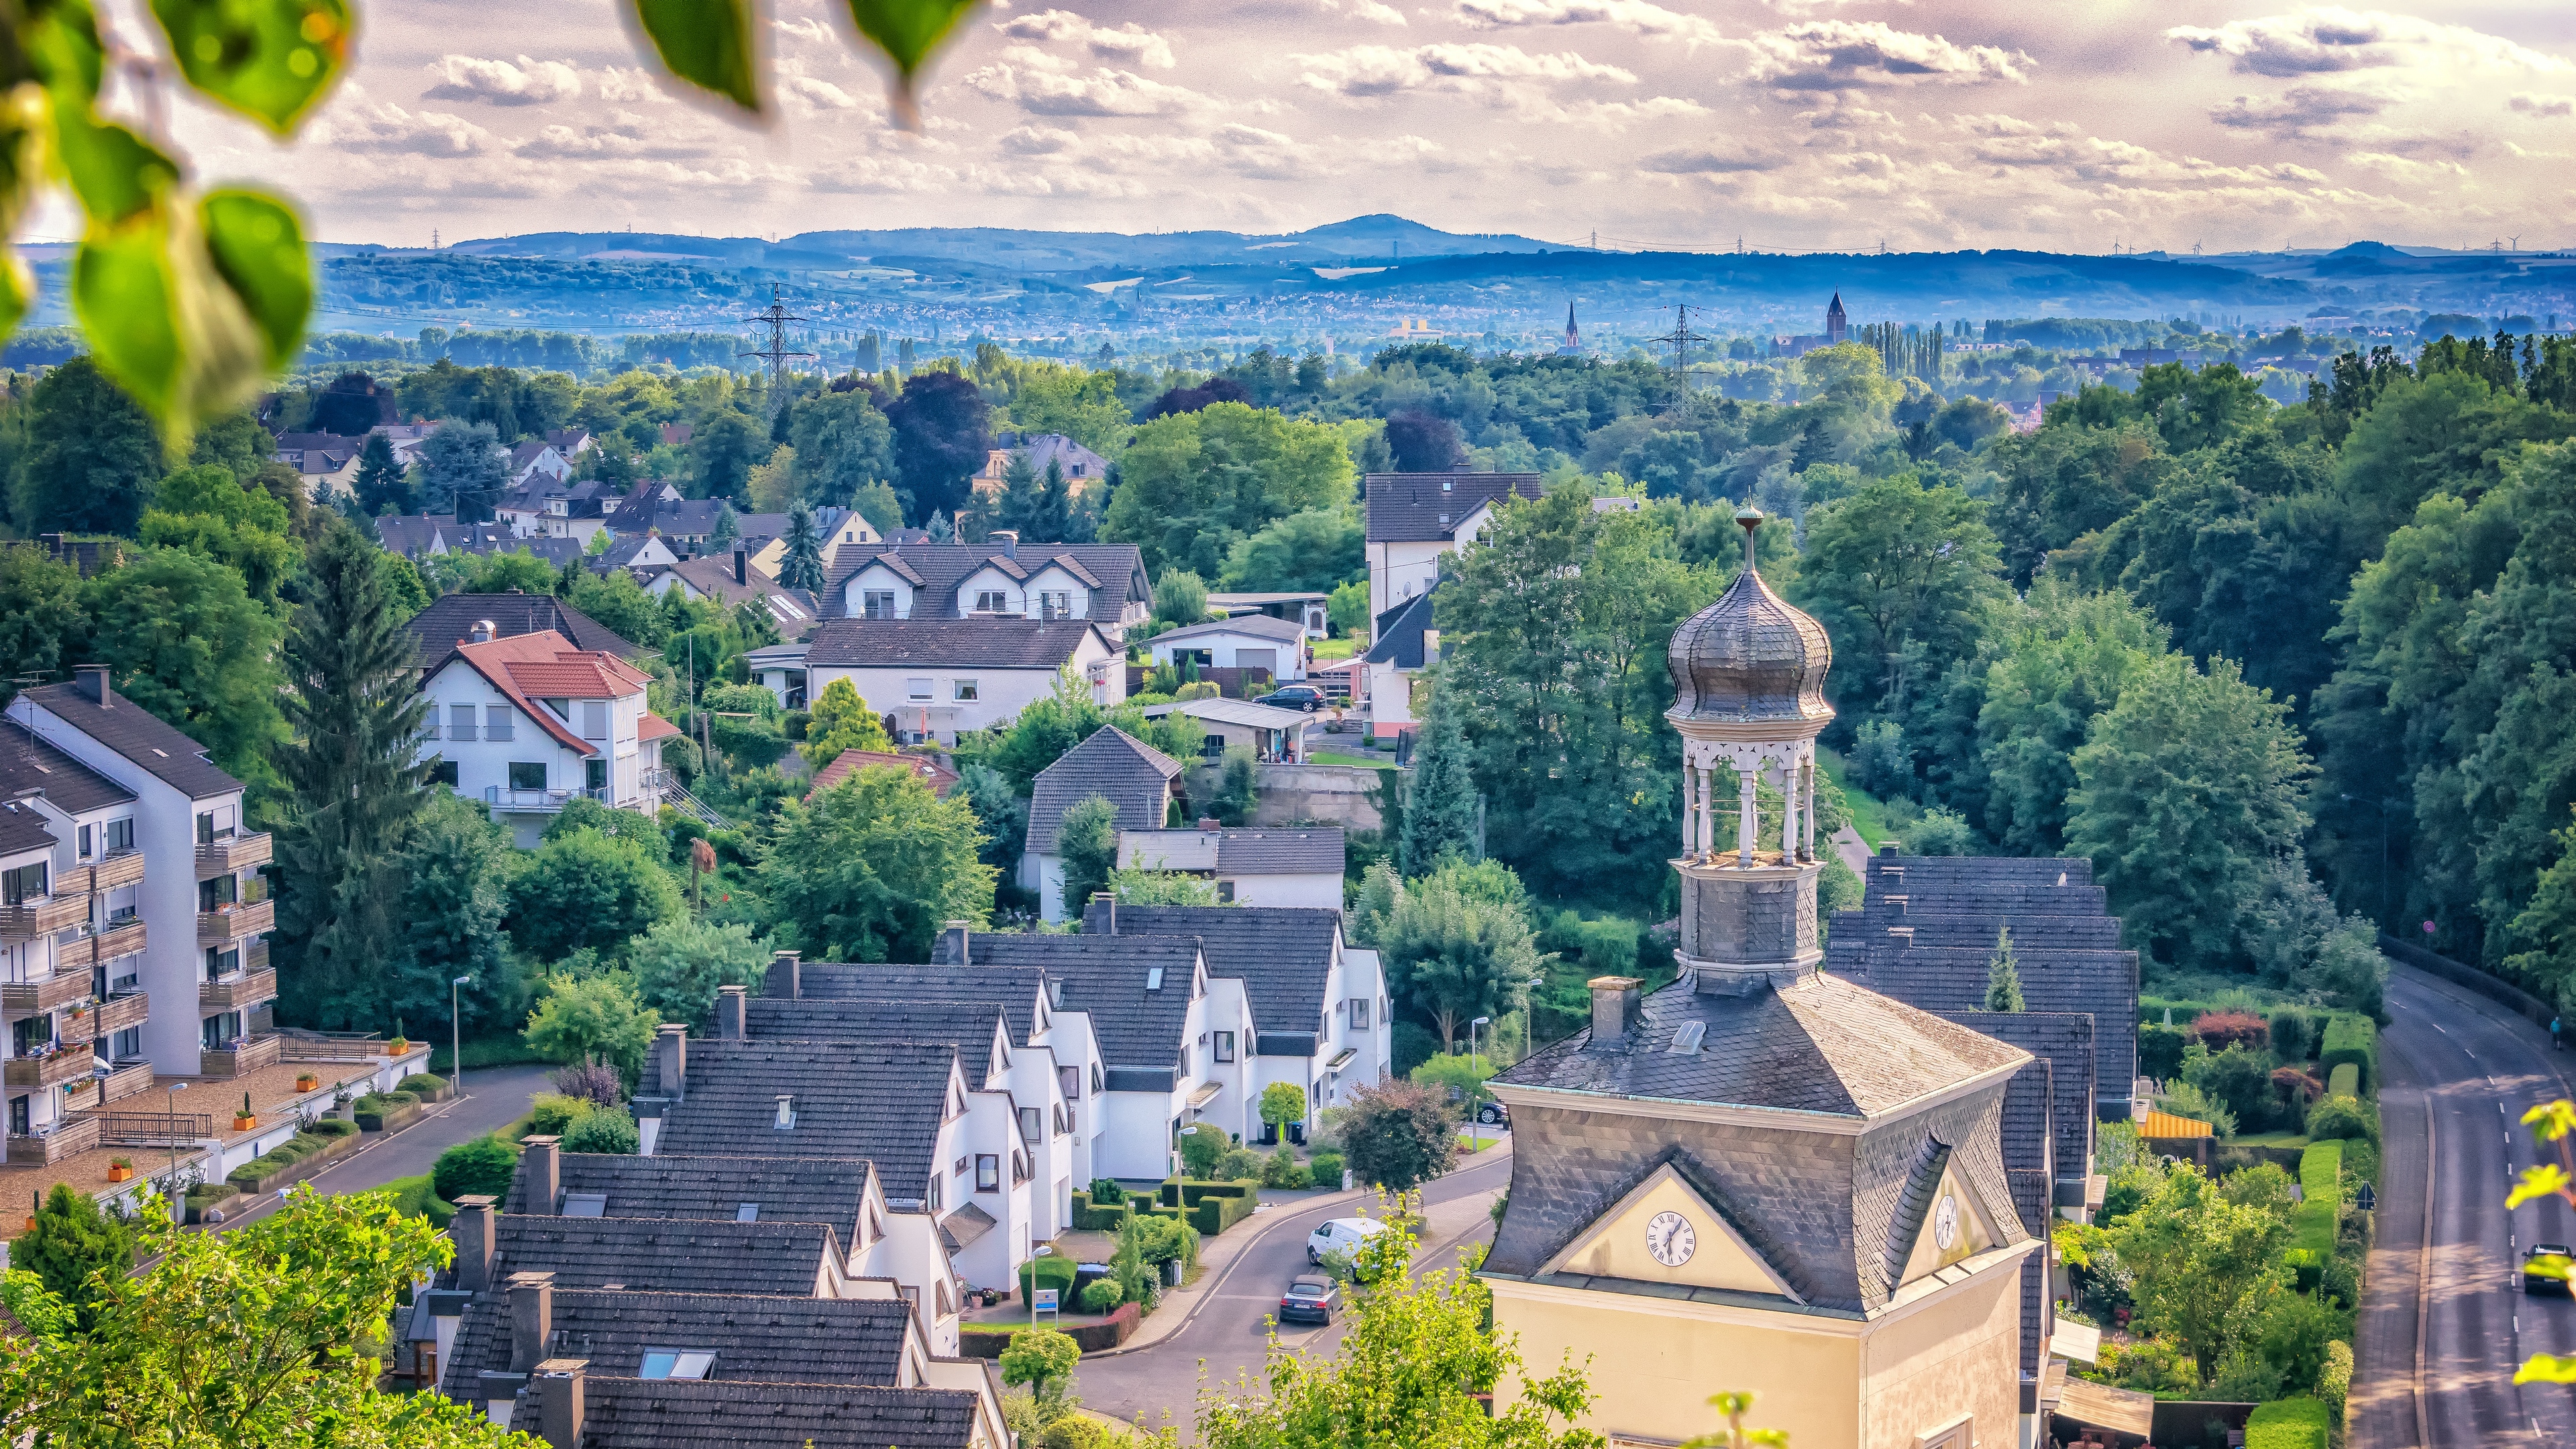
(2545, 1282)
(1493, 1114)
(1310, 1297)
(1295, 696)
(1341, 1235)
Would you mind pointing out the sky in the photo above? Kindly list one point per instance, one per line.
(1800, 124)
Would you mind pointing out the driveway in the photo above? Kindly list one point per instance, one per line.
(1226, 1335)
(494, 1098)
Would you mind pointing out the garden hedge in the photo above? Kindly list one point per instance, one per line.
(1189, 1192)
(1091, 1218)
(2352, 1038)
(2344, 1080)
(2287, 1424)
(2312, 1222)
(1054, 1271)
(1214, 1212)
(976, 1341)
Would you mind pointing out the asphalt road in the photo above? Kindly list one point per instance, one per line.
(494, 1097)
(1229, 1336)
(2464, 1069)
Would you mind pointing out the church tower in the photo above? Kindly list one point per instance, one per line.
(1837, 326)
(1573, 338)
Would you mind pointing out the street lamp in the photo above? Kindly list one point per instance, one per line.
(1475, 1128)
(171, 1099)
(456, 1035)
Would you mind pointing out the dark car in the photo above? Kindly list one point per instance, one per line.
(2545, 1281)
(1295, 696)
(1493, 1114)
(1310, 1298)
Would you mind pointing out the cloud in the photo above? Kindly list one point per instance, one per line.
(2323, 40)
(1130, 44)
(1370, 10)
(1635, 16)
(1384, 70)
(804, 27)
(2302, 113)
(389, 130)
(500, 83)
(1829, 54)
(1105, 92)
(815, 94)
(638, 84)
(2531, 105)
(1706, 161)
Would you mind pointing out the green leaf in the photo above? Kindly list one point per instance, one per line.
(707, 43)
(116, 174)
(258, 249)
(2546, 1180)
(2546, 1368)
(127, 301)
(17, 292)
(62, 45)
(269, 59)
(908, 31)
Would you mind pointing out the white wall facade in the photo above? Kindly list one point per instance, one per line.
(495, 733)
(1285, 659)
(930, 699)
(1321, 890)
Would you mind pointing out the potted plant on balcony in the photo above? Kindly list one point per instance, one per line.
(245, 1119)
(308, 1081)
(119, 1169)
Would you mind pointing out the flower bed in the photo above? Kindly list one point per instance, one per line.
(424, 1086)
(385, 1111)
(291, 1161)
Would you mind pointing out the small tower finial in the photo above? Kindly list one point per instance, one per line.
(1750, 519)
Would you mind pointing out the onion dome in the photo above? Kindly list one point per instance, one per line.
(1750, 658)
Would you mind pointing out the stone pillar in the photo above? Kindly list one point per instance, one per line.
(1690, 807)
(1807, 819)
(1707, 822)
(1748, 820)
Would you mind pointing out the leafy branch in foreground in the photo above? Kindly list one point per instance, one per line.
(2550, 1122)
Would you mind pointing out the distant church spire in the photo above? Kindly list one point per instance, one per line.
(1573, 345)
(1837, 326)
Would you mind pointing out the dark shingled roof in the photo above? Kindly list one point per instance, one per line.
(1105, 976)
(1005, 643)
(1398, 637)
(22, 830)
(1926, 929)
(1819, 1045)
(29, 762)
(451, 617)
(1265, 851)
(788, 1189)
(972, 1025)
(1258, 626)
(754, 1337)
(1283, 955)
(1014, 988)
(1132, 775)
(666, 1255)
(137, 734)
(883, 1101)
(2064, 1039)
(936, 569)
(690, 1414)
(1420, 507)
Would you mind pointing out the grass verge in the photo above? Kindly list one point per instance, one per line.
(1868, 813)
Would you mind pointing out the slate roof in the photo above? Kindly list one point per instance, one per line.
(1397, 639)
(1132, 775)
(451, 618)
(712, 575)
(788, 1189)
(667, 1255)
(1258, 626)
(971, 1025)
(938, 568)
(136, 734)
(1819, 1045)
(993, 643)
(1421, 507)
(755, 1337)
(690, 518)
(412, 535)
(1283, 955)
(1015, 988)
(1307, 850)
(30, 762)
(1926, 929)
(1106, 976)
(690, 1414)
(22, 829)
(2065, 1040)
(883, 1101)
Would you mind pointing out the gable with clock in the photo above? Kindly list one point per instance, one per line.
(1665, 1231)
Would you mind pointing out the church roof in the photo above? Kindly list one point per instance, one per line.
(1750, 657)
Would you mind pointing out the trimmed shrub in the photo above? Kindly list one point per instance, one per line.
(2287, 1424)
(552, 1114)
(2351, 1038)
(2291, 1036)
(1091, 1217)
(333, 1128)
(2219, 1030)
(421, 1084)
(1105, 1192)
(1101, 1295)
(2345, 1080)
(608, 1133)
(484, 1165)
(1326, 1169)
(2312, 1222)
(2334, 1382)
(2160, 1051)
(1053, 1271)
(2343, 1119)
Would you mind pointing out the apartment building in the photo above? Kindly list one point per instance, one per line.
(527, 723)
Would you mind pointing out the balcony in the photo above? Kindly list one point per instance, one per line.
(76, 1028)
(123, 1012)
(51, 1070)
(232, 923)
(121, 869)
(226, 854)
(237, 992)
(69, 1138)
(529, 802)
(130, 1079)
(246, 1055)
(44, 915)
(121, 938)
(28, 998)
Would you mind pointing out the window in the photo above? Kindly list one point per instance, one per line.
(1359, 1013)
(29, 1035)
(585, 1205)
(964, 689)
(218, 1033)
(443, 772)
(594, 775)
(877, 604)
(594, 719)
(916, 689)
(496, 722)
(527, 774)
(85, 842)
(1225, 893)
(1055, 603)
(1212, 745)
(18, 1121)
(1225, 1046)
(206, 823)
(677, 1363)
(223, 890)
(746, 1212)
(988, 1172)
(120, 835)
(991, 601)
(1070, 1078)
(127, 1045)
(26, 883)
(1032, 1124)
(220, 964)
(460, 726)
(959, 1167)
(936, 1200)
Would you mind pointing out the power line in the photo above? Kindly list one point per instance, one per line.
(1680, 340)
(776, 317)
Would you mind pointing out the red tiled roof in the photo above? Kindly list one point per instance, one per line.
(545, 664)
(850, 762)
(571, 678)
(653, 727)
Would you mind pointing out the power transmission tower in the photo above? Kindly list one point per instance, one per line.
(1680, 339)
(776, 317)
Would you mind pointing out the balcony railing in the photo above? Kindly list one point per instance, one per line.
(121, 938)
(231, 923)
(228, 853)
(27, 998)
(246, 1055)
(236, 992)
(44, 915)
(122, 1012)
(69, 1138)
(304, 1048)
(50, 1070)
(121, 869)
(501, 797)
(129, 1079)
(76, 1028)
(153, 1129)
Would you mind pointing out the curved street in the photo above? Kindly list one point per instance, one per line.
(2463, 1069)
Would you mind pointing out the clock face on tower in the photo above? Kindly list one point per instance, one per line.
(1945, 1223)
(1670, 1237)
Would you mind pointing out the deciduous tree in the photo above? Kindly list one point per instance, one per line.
(870, 869)
(588, 890)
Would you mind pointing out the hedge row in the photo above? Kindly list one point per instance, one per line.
(261, 1172)
(1214, 1213)
(2344, 1080)
(1091, 1218)
(1190, 1192)
(2321, 1191)
(2287, 1424)
(975, 1341)
(2352, 1038)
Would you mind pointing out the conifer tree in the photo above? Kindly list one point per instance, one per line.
(802, 568)
(382, 485)
(1442, 814)
(2003, 975)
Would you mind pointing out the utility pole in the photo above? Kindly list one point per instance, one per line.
(776, 317)
(1680, 340)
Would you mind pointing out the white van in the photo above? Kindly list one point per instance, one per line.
(1342, 1235)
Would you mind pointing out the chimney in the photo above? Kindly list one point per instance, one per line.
(671, 1060)
(953, 946)
(1108, 902)
(473, 1229)
(786, 976)
(1209, 824)
(541, 1158)
(739, 565)
(733, 1012)
(1614, 1010)
(557, 1389)
(532, 1319)
(1009, 539)
(91, 681)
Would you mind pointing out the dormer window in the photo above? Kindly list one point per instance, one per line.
(991, 601)
(677, 1363)
(786, 1112)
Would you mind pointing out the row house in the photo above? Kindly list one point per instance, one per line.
(1101, 582)
(529, 723)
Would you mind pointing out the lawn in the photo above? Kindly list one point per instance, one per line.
(1341, 648)
(1363, 762)
(1868, 816)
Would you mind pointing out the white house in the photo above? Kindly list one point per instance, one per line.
(537, 458)
(1402, 646)
(1310, 609)
(1247, 641)
(1414, 518)
(526, 723)
(1103, 583)
(1254, 866)
(939, 676)
(1270, 732)
(1133, 776)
